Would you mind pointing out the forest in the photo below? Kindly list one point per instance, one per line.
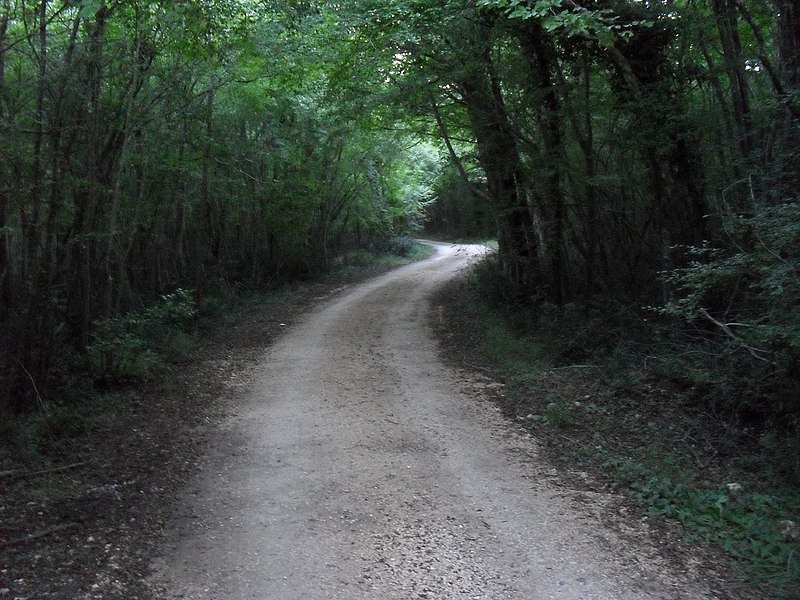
(149, 147)
(631, 158)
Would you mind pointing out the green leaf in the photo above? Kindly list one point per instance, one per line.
(89, 8)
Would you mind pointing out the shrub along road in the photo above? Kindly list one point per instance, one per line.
(355, 464)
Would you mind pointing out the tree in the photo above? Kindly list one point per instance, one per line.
(154, 144)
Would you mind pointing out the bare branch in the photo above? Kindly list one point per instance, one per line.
(20, 473)
(757, 353)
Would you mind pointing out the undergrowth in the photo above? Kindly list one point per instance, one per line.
(753, 527)
(395, 252)
(651, 409)
(129, 350)
(132, 345)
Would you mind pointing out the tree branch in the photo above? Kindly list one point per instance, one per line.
(756, 353)
(38, 534)
(20, 473)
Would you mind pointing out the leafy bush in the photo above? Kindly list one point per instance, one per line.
(747, 291)
(130, 346)
(746, 525)
(403, 245)
(492, 287)
(398, 245)
(556, 414)
(26, 438)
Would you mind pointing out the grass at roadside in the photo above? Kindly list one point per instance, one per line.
(589, 389)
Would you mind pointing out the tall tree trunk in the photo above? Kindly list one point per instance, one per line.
(728, 145)
(727, 25)
(180, 218)
(114, 274)
(5, 267)
(541, 58)
(789, 35)
(789, 42)
(33, 263)
(60, 143)
(213, 219)
(499, 157)
(31, 223)
(673, 164)
(5, 13)
(588, 242)
(82, 300)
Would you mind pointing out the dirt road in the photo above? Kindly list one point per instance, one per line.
(358, 467)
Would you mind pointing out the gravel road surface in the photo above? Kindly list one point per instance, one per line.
(358, 466)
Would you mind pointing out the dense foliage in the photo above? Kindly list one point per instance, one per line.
(636, 152)
(147, 145)
(618, 149)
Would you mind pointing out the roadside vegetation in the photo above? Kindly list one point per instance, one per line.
(649, 407)
(144, 347)
(155, 158)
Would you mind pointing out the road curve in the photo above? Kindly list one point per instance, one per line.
(358, 467)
